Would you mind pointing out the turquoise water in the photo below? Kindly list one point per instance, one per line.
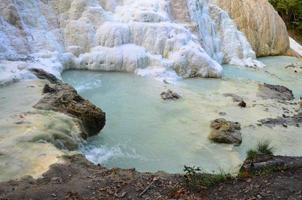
(149, 134)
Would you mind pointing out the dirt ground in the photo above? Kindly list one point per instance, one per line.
(78, 179)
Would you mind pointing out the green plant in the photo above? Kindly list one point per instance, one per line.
(195, 180)
(251, 154)
(265, 148)
(290, 11)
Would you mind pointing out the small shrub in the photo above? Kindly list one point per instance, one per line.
(195, 180)
(265, 148)
(251, 154)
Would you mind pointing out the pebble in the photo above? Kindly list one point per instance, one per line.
(242, 104)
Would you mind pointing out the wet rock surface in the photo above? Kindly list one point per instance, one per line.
(61, 97)
(170, 95)
(278, 92)
(262, 162)
(295, 120)
(224, 131)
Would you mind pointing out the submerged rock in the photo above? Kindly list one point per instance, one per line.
(63, 98)
(235, 97)
(170, 95)
(296, 67)
(285, 121)
(267, 91)
(224, 131)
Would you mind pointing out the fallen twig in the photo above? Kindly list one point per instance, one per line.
(148, 187)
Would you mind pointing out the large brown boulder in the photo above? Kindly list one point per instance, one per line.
(258, 20)
(61, 97)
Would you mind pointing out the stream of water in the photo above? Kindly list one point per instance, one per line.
(147, 133)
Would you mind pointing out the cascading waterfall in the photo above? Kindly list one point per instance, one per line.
(128, 35)
(199, 12)
(219, 35)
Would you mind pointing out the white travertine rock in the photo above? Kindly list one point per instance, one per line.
(191, 37)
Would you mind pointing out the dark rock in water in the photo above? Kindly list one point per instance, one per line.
(235, 97)
(224, 131)
(283, 121)
(284, 125)
(242, 104)
(267, 91)
(63, 98)
(170, 95)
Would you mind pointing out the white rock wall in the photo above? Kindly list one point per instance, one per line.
(190, 37)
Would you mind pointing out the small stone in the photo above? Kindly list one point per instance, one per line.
(53, 195)
(170, 95)
(242, 104)
(284, 125)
